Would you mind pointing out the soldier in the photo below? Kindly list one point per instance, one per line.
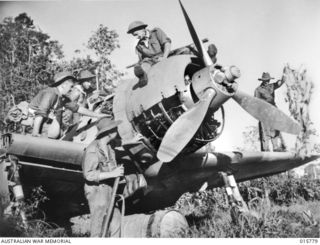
(85, 78)
(53, 99)
(266, 92)
(99, 168)
(153, 46)
(79, 95)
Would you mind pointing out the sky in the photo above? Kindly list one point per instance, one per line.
(255, 35)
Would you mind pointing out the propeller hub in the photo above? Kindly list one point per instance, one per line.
(232, 73)
(226, 74)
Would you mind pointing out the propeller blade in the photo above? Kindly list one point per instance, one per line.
(268, 114)
(184, 128)
(203, 53)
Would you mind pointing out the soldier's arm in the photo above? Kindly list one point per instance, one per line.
(257, 94)
(47, 103)
(278, 83)
(167, 49)
(117, 172)
(90, 169)
(139, 54)
(75, 107)
(164, 40)
(84, 111)
(92, 173)
(36, 125)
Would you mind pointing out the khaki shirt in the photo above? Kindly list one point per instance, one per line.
(45, 101)
(156, 41)
(266, 92)
(49, 99)
(95, 162)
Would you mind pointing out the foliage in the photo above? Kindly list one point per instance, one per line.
(271, 214)
(282, 189)
(291, 209)
(26, 60)
(250, 139)
(13, 224)
(29, 59)
(103, 42)
(299, 91)
(262, 222)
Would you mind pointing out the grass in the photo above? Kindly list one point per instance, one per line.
(280, 207)
(262, 222)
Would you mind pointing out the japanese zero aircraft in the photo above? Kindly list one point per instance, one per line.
(166, 125)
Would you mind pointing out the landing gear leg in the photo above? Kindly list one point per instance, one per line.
(238, 205)
(17, 190)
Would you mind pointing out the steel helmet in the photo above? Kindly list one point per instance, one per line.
(136, 25)
(85, 75)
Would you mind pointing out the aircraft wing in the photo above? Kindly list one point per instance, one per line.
(251, 165)
(56, 166)
(168, 181)
(244, 165)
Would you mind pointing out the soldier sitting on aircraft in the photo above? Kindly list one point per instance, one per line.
(152, 47)
(52, 100)
(266, 92)
(99, 167)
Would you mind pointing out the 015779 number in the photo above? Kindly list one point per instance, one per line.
(309, 240)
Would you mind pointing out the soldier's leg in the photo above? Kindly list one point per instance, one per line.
(115, 223)
(282, 144)
(277, 142)
(98, 198)
(265, 138)
(141, 72)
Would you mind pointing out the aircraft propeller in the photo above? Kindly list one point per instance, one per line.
(185, 127)
(195, 38)
(270, 115)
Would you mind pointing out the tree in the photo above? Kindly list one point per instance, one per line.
(299, 92)
(103, 42)
(251, 140)
(27, 60)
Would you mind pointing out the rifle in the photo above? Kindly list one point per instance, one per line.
(173, 52)
(107, 218)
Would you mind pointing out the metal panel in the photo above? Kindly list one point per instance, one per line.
(123, 89)
(164, 79)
